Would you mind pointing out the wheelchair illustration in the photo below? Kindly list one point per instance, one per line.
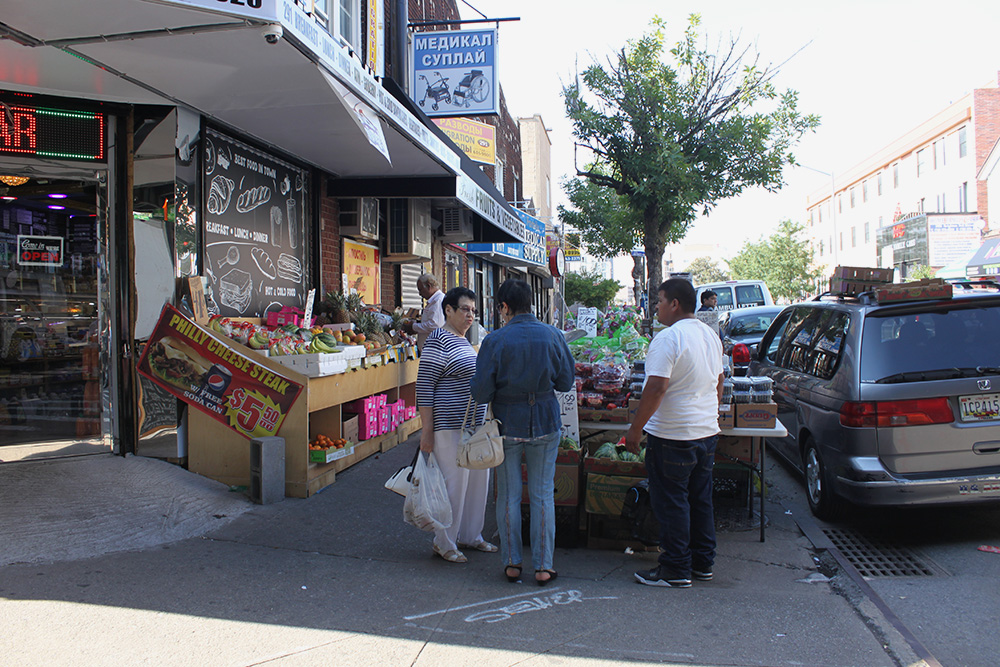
(473, 85)
(438, 90)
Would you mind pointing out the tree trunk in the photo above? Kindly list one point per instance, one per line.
(654, 256)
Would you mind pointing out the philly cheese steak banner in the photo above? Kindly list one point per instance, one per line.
(254, 229)
(204, 372)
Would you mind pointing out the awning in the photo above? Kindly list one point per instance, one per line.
(530, 254)
(986, 261)
(956, 269)
(180, 52)
(497, 221)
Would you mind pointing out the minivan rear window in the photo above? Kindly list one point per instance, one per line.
(939, 340)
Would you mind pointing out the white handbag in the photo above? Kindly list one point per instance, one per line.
(482, 447)
(400, 480)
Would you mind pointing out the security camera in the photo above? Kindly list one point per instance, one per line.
(272, 33)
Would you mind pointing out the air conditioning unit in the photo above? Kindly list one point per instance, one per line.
(409, 231)
(456, 225)
(359, 217)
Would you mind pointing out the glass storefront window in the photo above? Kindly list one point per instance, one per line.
(50, 385)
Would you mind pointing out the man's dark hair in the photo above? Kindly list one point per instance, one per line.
(682, 290)
(516, 294)
(456, 293)
(706, 295)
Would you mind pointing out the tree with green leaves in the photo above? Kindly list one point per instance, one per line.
(783, 261)
(591, 289)
(919, 272)
(666, 142)
(706, 270)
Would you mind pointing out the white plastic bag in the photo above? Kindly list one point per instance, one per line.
(427, 506)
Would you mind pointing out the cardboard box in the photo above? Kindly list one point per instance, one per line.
(569, 457)
(863, 274)
(606, 493)
(732, 447)
(930, 288)
(349, 428)
(367, 404)
(756, 415)
(567, 484)
(330, 455)
(368, 425)
(727, 416)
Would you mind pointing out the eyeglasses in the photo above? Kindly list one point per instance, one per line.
(468, 310)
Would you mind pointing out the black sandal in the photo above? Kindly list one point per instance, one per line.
(512, 579)
(543, 582)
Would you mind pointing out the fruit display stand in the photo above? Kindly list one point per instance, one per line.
(220, 453)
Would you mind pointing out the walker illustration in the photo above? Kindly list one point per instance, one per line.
(437, 90)
(473, 85)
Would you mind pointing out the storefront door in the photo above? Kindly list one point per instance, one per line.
(53, 376)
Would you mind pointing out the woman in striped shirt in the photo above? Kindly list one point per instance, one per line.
(447, 363)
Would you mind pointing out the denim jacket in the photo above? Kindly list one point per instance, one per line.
(518, 369)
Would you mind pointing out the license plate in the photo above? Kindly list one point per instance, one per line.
(981, 408)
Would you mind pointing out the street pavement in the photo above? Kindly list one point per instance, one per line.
(340, 579)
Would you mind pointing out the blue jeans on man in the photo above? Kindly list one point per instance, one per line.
(680, 494)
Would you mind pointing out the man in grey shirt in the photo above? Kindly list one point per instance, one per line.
(433, 315)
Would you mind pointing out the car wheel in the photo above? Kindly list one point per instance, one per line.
(823, 501)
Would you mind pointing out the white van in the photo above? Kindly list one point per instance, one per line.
(737, 294)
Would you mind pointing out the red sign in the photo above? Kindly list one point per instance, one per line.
(207, 374)
(56, 133)
(898, 231)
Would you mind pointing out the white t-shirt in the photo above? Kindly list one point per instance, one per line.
(431, 319)
(689, 354)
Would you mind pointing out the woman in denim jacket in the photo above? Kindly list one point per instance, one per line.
(519, 369)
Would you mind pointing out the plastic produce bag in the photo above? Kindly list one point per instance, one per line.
(427, 506)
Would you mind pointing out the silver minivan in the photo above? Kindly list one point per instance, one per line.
(888, 404)
(737, 294)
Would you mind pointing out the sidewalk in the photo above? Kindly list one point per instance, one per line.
(339, 578)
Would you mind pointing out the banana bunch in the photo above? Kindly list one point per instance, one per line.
(324, 343)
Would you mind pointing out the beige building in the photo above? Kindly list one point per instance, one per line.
(931, 169)
(536, 163)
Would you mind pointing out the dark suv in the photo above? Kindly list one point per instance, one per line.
(888, 404)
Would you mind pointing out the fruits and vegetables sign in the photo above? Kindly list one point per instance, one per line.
(206, 373)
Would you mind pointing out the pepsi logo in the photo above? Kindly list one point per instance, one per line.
(216, 381)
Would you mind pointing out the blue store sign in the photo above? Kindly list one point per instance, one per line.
(455, 72)
(532, 252)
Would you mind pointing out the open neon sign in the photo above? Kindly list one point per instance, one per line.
(53, 133)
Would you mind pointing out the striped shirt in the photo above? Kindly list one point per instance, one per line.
(447, 363)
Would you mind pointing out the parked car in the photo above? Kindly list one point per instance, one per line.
(737, 294)
(888, 404)
(746, 325)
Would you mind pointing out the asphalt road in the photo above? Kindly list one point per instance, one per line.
(951, 608)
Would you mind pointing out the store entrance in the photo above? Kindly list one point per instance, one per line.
(51, 319)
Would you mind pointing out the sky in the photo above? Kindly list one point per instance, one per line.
(870, 69)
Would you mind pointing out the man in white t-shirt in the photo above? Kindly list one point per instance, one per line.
(433, 316)
(679, 412)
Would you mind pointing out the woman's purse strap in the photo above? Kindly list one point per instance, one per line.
(466, 417)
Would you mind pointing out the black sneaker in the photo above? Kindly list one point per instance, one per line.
(701, 575)
(659, 576)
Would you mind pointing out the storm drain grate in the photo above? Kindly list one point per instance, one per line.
(874, 557)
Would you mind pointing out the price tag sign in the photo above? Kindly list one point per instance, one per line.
(586, 319)
(307, 318)
(568, 414)
(711, 318)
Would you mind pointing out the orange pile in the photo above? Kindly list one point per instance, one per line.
(323, 442)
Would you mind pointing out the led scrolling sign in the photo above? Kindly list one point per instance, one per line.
(52, 133)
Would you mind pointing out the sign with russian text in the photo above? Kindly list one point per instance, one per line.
(454, 72)
(362, 270)
(477, 140)
(207, 374)
(39, 250)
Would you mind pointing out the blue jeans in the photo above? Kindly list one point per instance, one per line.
(540, 457)
(680, 493)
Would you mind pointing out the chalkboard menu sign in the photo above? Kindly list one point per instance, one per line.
(254, 232)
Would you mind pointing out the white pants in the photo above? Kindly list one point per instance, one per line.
(467, 491)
